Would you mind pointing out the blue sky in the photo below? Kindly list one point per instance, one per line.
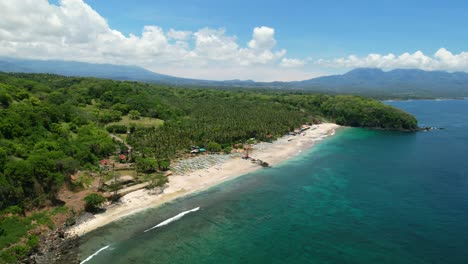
(317, 28)
(256, 39)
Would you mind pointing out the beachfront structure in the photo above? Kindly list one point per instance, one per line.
(196, 150)
(104, 164)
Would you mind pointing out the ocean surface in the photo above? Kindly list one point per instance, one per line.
(361, 196)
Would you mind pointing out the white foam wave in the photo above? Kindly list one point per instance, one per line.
(172, 219)
(95, 254)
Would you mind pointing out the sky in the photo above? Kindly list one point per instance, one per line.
(256, 39)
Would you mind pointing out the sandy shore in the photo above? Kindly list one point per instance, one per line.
(197, 180)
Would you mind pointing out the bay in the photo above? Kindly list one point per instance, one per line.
(361, 196)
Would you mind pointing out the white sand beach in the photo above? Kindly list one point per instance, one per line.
(181, 184)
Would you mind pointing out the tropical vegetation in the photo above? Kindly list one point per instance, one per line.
(52, 126)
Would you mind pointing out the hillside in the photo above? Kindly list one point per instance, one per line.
(83, 69)
(399, 83)
(107, 71)
(55, 137)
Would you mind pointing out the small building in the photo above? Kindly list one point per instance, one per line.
(104, 164)
(122, 158)
(196, 150)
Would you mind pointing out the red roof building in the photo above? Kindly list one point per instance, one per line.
(104, 162)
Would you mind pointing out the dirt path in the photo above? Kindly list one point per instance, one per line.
(121, 141)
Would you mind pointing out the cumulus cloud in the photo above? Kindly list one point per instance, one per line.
(72, 30)
(178, 34)
(441, 60)
(292, 63)
(263, 39)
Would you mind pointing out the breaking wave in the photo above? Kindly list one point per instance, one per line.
(172, 219)
(95, 254)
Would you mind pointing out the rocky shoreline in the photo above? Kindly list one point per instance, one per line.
(55, 247)
(193, 175)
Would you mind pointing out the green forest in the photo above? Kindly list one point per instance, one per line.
(51, 126)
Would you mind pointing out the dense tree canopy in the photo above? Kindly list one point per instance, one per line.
(52, 125)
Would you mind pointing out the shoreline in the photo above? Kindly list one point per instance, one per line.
(183, 184)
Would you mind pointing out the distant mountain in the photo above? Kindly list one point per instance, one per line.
(399, 82)
(83, 69)
(364, 81)
(6, 66)
(110, 71)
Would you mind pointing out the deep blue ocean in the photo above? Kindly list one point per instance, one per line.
(361, 196)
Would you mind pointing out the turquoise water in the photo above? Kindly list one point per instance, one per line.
(359, 197)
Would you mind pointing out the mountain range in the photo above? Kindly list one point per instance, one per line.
(398, 83)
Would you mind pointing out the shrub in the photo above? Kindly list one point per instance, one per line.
(16, 210)
(93, 202)
(213, 147)
(33, 241)
(146, 165)
(70, 221)
(119, 129)
(107, 116)
(134, 114)
(227, 150)
(164, 164)
(121, 107)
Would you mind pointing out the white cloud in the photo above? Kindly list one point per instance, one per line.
(441, 60)
(213, 44)
(72, 30)
(263, 38)
(179, 35)
(292, 63)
